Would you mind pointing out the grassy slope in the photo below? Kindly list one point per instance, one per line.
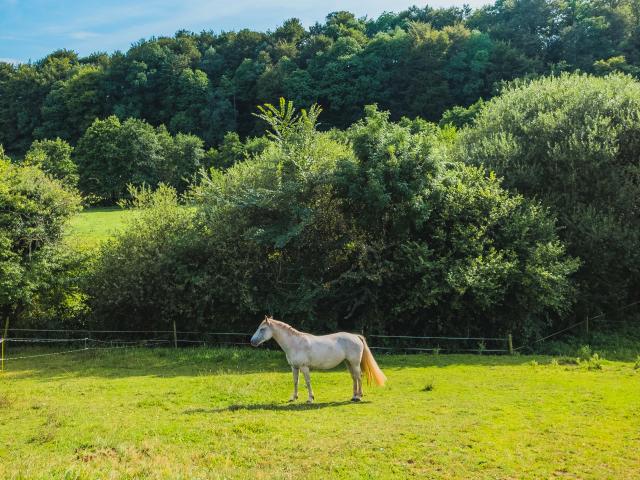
(208, 413)
(92, 226)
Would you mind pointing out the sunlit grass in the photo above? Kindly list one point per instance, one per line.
(222, 413)
(92, 226)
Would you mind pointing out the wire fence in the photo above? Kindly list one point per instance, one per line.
(88, 340)
(586, 324)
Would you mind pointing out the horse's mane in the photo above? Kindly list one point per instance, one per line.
(285, 326)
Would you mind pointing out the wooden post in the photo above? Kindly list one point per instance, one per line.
(510, 342)
(4, 340)
(586, 325)
(175, 335)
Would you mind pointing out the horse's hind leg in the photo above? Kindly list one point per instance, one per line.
(307, 379)
(354, 369)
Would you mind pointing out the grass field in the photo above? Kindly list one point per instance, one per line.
(216, 413)
(94, 225)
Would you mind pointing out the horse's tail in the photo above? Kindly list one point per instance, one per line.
(369, 365)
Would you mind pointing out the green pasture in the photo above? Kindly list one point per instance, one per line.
(221, 413)
(92, 226)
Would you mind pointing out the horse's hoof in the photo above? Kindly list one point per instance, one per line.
(355, 399)
(310, 401)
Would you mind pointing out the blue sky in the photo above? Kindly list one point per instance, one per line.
(30, 29)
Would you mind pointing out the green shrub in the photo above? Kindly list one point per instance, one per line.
(572, 142)
(377, 232)
(587, 357)
(33, 211)
(595, 362)
(144, 278)
(111, 155)
(461, 117)
(232, 150)
(585, 353)
(54, 157)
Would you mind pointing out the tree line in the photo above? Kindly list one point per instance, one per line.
(419, 62)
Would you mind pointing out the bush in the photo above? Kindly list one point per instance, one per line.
(461, 117)
(142, 278)
(232, 150)
(572, 141)
(112, 155)
(33, 211)
(376, 232)
(447, 248)
(54, 157)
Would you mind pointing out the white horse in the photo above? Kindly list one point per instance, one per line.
(305, 351)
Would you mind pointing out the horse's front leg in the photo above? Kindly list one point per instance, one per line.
(294, 396)
(307, 379)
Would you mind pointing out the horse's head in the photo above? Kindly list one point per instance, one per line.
(263, 333)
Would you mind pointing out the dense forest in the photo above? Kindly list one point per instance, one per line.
(446, 170)
(419, 62)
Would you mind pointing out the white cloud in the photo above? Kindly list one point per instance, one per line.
(12, 61)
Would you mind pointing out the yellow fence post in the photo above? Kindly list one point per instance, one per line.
(4, 340)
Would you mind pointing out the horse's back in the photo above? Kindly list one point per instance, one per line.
(344, 338)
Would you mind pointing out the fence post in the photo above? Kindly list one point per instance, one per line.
(586, 324)
(510, 342)
(175, 335)
(4, 340)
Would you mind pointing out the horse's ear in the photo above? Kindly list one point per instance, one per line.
(266, 319)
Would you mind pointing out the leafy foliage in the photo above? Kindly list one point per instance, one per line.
(358, 219)
(461, 117)
(54, 158)
(377, 231)
(151, 260)
(418, 62)
(233, 150)
(113, 154)
(33, 211)
(572, 141)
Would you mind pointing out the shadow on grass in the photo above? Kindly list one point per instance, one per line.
(276, 407)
